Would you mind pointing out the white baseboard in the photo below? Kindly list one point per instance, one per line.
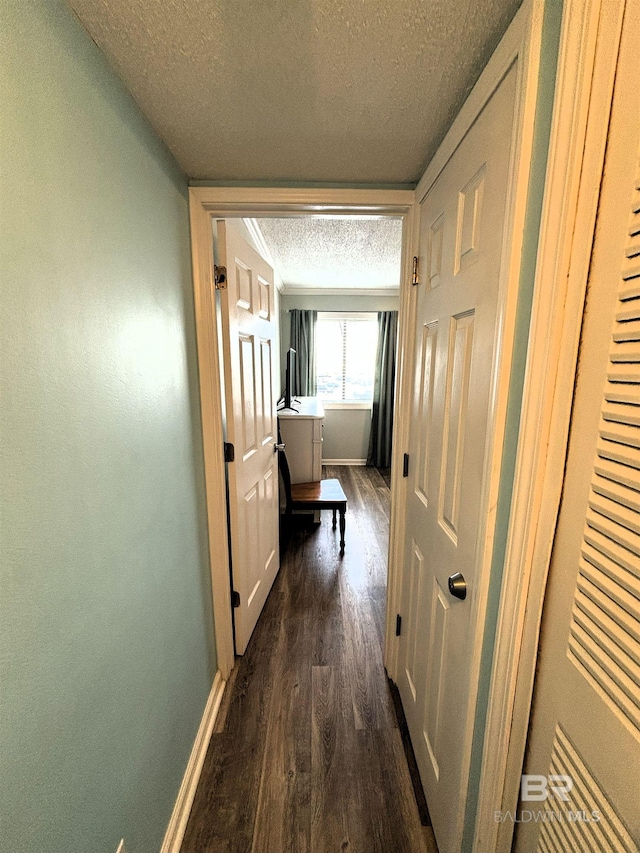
(344, 461)
(182, 808)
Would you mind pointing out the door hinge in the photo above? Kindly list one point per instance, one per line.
(229, 452)
(405, 465)
(235, 598)
(398, 625)
(414, 277)
(220, 277)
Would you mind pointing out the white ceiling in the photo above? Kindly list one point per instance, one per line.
(299, 90)
(337, 253)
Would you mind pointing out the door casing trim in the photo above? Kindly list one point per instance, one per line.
(206, 204)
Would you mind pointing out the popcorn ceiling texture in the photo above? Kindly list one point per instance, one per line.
(332, 253)
(311, 90)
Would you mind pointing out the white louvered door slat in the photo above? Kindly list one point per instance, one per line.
(586, 712)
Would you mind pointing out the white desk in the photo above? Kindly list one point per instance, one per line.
(301, 433)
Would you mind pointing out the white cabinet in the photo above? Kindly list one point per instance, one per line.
(301, 433)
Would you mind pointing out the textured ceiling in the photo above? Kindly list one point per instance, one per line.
(299, 90)
(328, 253)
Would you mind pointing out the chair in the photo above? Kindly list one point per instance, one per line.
(319, 495)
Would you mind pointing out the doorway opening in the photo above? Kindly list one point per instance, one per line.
(328, 284)
(242, 205)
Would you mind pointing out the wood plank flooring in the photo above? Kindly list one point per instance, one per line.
(306, 756)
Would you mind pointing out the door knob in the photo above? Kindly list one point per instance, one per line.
(278, 447)
(458, 586)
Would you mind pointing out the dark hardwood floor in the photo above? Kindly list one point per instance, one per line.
(306, 755)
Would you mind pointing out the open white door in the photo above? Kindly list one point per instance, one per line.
(585, 728)
(464, 252)
(249, 336)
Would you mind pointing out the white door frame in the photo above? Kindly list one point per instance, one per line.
(584, 85)
(205, 204)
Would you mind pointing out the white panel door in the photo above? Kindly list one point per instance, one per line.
(456, 338)
(250, 373)
(586, 706)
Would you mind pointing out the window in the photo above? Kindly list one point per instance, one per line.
(346, 356)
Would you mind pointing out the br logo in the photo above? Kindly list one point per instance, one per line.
(536, 788)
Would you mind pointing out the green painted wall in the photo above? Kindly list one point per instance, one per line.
(542, 129)
(107, 652)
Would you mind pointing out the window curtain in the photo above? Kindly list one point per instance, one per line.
(303, 341)
(382, 412)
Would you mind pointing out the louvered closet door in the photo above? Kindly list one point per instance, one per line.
(586, 712)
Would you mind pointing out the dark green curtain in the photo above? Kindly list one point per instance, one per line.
(303, 340)
(385, 379)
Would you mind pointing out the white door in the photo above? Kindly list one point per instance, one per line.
(586, 706)
(249, 338)
(456, 345)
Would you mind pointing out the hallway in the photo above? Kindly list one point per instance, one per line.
(306, 755)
